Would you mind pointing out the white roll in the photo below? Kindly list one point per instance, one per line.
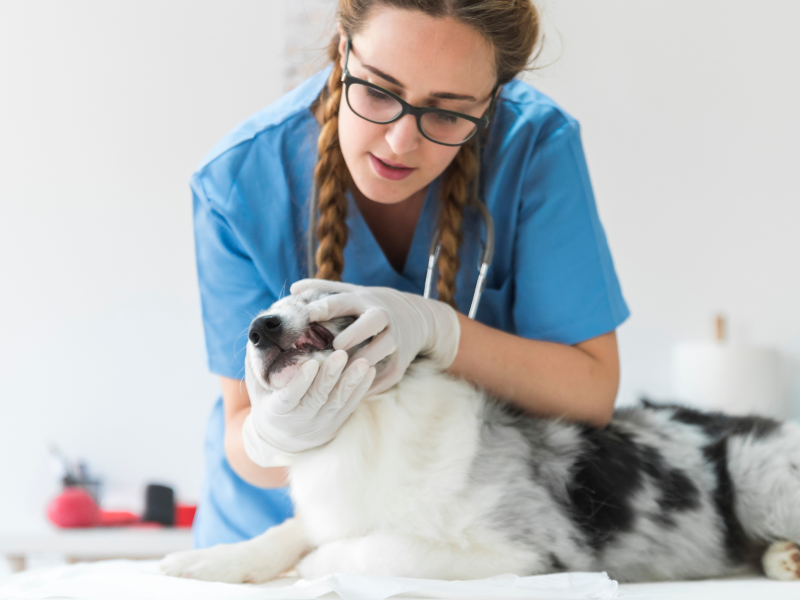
(738, 380)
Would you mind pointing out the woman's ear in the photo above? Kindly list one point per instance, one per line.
(342, 43)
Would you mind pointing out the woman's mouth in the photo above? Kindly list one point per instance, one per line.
(388, 171)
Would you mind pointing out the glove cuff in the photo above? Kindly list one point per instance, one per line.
(260, 452)
(446, 334)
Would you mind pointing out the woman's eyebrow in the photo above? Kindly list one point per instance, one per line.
(441, 95)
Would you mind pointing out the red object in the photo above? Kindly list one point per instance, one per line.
(184, 515)
(73, 507)
(117, 518)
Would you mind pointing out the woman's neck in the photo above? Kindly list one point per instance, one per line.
(392, 225)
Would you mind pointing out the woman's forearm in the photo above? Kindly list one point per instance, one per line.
(263, 477)
(545, 379)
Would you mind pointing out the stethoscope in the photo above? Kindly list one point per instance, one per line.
(433, 255)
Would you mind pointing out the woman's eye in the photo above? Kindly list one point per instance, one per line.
(445, 119)
(377, 94)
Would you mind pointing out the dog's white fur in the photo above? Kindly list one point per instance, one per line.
(419, 482)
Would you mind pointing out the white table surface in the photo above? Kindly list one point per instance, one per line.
(126, 580)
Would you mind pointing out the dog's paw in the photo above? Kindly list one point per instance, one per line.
(782, 561)
(227, 563)
(333, 557)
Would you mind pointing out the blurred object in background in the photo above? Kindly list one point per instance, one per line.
(735, 378)
(74, 507)
(78, 503)
(74, 475)
(86, 532)
(159, 505)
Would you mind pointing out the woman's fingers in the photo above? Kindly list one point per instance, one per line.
(288, 397)
(384, 344)
(369, 324)
(364, 386)
(350, 380)
(337, 305)
(356, 395)
(355, 382)
(327, 377)
(389, 376)
(322, 285)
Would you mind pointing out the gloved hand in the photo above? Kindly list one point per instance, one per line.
(404, 325)
(307, 412)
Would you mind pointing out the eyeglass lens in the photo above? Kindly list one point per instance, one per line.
(374, 105)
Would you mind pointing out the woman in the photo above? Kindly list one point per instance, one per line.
(544, 335)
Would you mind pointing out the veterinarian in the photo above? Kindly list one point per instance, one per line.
(544, 335)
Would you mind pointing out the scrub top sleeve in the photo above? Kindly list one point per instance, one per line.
(566, 288)
(232, 292)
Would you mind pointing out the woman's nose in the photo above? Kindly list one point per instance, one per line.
(403, 135)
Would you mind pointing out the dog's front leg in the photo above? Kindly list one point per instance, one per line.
(400, 555)
(260, 559)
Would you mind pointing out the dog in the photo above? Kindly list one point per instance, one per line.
(435, 479)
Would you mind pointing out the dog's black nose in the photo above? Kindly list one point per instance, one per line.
(265, 330)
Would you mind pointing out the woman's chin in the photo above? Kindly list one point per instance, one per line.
(384, 191)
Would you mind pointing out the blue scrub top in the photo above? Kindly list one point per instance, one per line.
(552, 277)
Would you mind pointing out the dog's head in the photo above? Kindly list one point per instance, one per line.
(281, 339)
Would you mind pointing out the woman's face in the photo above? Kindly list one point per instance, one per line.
(418, 58)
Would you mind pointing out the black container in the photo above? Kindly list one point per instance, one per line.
(159, 505)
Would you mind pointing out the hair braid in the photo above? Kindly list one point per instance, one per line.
(332, 177)
(453, 197)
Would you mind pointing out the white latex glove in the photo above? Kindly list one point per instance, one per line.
(404, 325)
(307, 412)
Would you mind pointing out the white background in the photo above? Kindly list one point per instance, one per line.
(689, 112)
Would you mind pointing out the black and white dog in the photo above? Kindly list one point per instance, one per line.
(434, 479)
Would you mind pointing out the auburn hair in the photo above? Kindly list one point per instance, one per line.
(512, 29)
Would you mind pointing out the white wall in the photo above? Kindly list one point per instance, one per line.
(689, 115)
(105, 110)
(690, 122)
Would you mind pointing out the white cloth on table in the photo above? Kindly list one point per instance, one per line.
(129, 580)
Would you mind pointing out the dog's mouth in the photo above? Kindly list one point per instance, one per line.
(315, 338)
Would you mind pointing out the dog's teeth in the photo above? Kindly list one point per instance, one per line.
(293, 347)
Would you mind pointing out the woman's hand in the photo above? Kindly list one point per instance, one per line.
(307, 412)
(403, 325)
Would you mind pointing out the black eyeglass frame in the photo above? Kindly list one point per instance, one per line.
(482, 123)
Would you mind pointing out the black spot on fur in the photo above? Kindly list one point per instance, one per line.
(517, 416)
(607, 473)
(717, 424)
(738, 547)
(555, 563)
(678, 492)
(610, 470)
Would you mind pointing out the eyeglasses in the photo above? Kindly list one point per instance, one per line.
(377, 105)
